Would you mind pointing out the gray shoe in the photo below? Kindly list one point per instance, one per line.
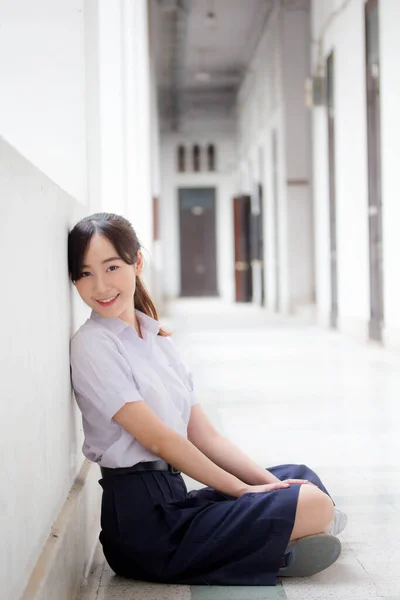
(310, 555)
(339, 522)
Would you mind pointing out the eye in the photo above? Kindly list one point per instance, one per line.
(85, 273)
(113, 267)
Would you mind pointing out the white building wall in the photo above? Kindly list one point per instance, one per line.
(225, 182)
(345, 34)
(271, 99)
(295, 43)
(40, 429)
(259, 111)
(390, 145)
(42, 87)
(74, 101)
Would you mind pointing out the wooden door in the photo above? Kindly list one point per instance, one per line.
(330, 78)
(198, 242)
(374, 169)
(243, 275)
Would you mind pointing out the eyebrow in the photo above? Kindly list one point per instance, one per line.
(104, 261)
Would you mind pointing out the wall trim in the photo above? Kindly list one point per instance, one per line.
(69, 550)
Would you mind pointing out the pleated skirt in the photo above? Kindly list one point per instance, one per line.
(152, 529)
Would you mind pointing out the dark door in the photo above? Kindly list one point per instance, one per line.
(261, 238)
(275, 192)
(374, 169)
(198, 242)
(243, 275)
(330, 78)
(257, 240)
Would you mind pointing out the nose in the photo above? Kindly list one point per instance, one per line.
(100, 285)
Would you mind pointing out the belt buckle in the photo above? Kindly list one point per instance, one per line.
(173, 470)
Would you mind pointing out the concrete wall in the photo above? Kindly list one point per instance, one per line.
(118, 113)
(390, 141)
(295, 42)
(76, 129)
(260, 112)
(223, 180)
(40, 429)
(270, 100)
(346, 37)
(42, 87)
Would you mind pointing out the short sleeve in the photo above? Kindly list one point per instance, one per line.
(184, 371)
(189, 382)
(101, 375)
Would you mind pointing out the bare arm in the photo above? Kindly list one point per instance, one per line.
(141, 422)
(223, 452)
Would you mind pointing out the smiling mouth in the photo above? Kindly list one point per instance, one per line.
(108, 301)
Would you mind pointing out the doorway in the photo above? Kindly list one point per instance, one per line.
(374, 169)
(197, 226)
(330, 89)
(243, 273)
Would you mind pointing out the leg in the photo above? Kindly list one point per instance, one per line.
(310, 550)
(297, 472)
(315, 511)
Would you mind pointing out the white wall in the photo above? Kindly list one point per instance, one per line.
(40, 429)
(390, 143)
(64, 58)
(42, 87)
(295, 68)
(272, 99)
(345, 36)
(259, 111)
(223, 180)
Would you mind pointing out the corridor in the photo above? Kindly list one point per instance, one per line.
(287, 391)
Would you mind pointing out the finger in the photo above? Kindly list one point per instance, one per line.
(297, 480)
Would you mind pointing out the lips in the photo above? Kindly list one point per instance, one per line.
(108, 301)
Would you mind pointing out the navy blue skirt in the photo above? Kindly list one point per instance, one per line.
(154, 530)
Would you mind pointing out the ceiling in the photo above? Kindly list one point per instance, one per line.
(202, 49)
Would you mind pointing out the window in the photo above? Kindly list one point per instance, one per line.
(211, 157)
(181, 159)
(196, 158)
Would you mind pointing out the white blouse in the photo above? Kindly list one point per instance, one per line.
(112, 365)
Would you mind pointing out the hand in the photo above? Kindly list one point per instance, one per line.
(269, 487)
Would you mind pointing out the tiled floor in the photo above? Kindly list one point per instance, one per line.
(289, 392)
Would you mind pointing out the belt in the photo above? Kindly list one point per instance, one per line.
(156, 465)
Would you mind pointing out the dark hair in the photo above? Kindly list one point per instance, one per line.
(120, 233)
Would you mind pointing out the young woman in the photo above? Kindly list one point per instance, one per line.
(144, 426)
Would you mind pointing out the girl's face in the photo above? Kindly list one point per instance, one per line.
(107, 283)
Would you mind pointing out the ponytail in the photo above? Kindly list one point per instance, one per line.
(145, 304)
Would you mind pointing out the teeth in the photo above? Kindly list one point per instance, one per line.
(108, 300)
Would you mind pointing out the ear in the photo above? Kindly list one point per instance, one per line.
(139, 263)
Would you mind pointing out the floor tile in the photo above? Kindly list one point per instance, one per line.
(118, 589)
(287, 392)
(238, 593)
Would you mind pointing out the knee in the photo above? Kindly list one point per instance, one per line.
(315, 511)
(301, 472)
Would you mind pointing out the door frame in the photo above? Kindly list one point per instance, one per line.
(331, 126)
(374, 157)
(275, 203)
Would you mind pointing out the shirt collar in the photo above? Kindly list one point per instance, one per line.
(117, 325)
